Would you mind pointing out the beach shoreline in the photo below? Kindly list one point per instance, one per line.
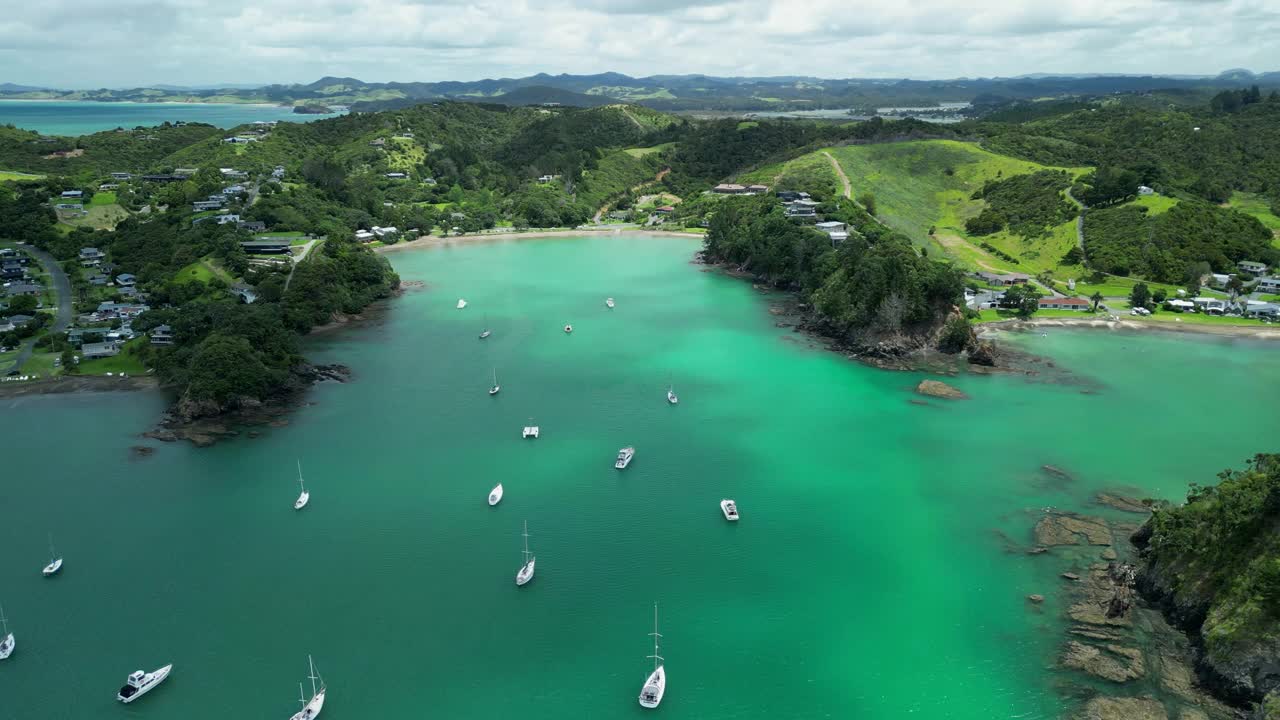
(432, 241)
(1033, 323)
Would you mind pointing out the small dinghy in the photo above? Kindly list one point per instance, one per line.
(495, 495)
(608, 302)
(568, 328)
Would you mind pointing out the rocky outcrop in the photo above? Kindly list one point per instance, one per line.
(1123, 503)
(1110, 662)
(938, 389)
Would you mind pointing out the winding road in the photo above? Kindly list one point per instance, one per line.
(62, 288)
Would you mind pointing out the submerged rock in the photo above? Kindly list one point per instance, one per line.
(1057, 472)
(1135, 708)
(1116, 663)
(1122, 502)
(938, 389)
(141, 451)
(1071, 529)
(1036, 598)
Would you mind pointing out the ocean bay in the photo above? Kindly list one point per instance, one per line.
(82, 117)
(868, 576)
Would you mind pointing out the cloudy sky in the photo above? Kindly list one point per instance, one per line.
(124, 43)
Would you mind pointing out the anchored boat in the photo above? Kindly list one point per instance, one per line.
(140, 683)
(310, 708)
(495, 495)
(655, 686)
(55, 562)
(304, 497)
(7, 643)
(730, 509)
(525, 573)
(624, 458)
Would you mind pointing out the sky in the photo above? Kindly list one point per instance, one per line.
(130, 43)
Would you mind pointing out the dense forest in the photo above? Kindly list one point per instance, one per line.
(1027, 204)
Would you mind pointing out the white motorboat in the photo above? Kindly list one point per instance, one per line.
(608, 302)
(304, 497)
(730, 509)
(494, 390)
(568, 328)
(495, 495)
(671, 396)
(485, 334)
(7, 643)
(530, 431)
(655, 686)
(140, 683)
(310, 708)
(55, 562)
(624, 457)
(525, 574)
(461, 303)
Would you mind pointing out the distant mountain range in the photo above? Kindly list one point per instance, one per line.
(667, 92)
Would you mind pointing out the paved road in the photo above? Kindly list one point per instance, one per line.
(62, 287)
(306, 249)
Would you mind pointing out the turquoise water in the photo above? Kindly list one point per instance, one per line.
(76, 117)
(870, 576)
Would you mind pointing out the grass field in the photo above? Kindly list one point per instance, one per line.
(125, 362)
(102, 198)
(404, 154)
(1201, 319)
(10, 175)
(1155, 204)
(203, 270)
(98, 216)
(986, 316)
(1257, 206)
(1116, 286)
(641, 152)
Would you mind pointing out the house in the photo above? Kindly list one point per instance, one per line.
(1144, 190)
(1269, 284)
(223, 219)
(121, 176)
(91, 253)
(184, 173)
(1251, 267)
(382, 232)
(166, 178)
(109, 310)
(233, 173)
(108, 186)
(126, 280)
(78, 336)
(266, 246)
(203, 205)
(757, 190)
(246, 292)
(70, 207)
(1004, 280)
(72, 194)
(20, 320)
(1267, 310)
(20, 288)
(405, 135)
(429, 181)
(240, 139)
(547, 178)
(8, 253)
(729, 189)
(1181, 305)
(1064, 303)
(397, 175)
(665, 210)
(12, 271)
(365, 236)
(161, 335)
(233, 190)
(837, 231)
(1219, 279)
(1212, 306)
(92, 351)
(380, 142)
(98, 280)
(252, 225)
(278, 172)
(787, 196)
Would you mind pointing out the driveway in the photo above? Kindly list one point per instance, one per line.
(62, 288)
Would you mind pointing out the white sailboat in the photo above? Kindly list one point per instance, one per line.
(140, 683)
(310, 708)
(655, 686)
(568, 329)
(55, 562)
(671, 395)
(7, 643)
(526, 570)
(495, 495)
(485, 332)
(304, 497)
(461, 303)
(494, 390)
(608, 302)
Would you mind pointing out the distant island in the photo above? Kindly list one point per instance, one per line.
(312, 109)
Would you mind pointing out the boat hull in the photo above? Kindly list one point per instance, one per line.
(157, 677)
(730, 510)
(525, 574)
(311, 709)
(302, 501)
(495, 495)
(7, 646)
(654, 688)
(52, 568)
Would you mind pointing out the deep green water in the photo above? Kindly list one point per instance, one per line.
(81, 117)
(868, 577)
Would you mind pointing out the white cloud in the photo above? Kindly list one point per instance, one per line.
(94, 43)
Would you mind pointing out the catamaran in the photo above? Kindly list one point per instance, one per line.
(7, 643)
(526, 570)
(304, 497)
(655, 686)
(671, 396)
(140, 683)
(624, 458)
(310, 708)
(494, 390)
(608, 302)
(55, 562)
(495, 495)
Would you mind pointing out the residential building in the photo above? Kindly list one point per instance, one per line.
(397, 175)
(121, 176)
(787, 196)
(21, 288)
(184, 173)
(837, 231)
(1144, 190)
(1267, 310)
(161, 335)
(757, 190)
(547, 178)
(1181, 305)
(233, 190)
(365, 236)
(92, 351)
(382, 232)
(1269, 284)
(266, 246)
(110, 310)
(1219, 279)
(72, 194)
(252, 225)
(245, 292)
(1004, 280)
(108, 186)
(240, 139)
(175, 177)
(1212, 306)
(278, 172)
(665, 210)
(233, 173)
(91, 253)
(12, 271)
(729, 189)
(126, 280)
(98, 280)
(1064, 303)
(1251, 267)
(380, 142)
(202, 205)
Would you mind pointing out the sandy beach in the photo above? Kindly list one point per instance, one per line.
(1242, 331)
(432, 241)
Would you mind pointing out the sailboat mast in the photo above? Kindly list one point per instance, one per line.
(656, 635)
(526, 542)
(302, 696)
(4, 620)
(312, 675)
(52, 555)
(300, 485)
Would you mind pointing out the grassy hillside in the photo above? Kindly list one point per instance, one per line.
(922, 184)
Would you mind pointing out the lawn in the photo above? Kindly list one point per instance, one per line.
(40, 364)
(1201, 319)
(641, 152)
(929, 183)
(98, 217)
(1116, 286)
(1155, 204)
(991, 315)
(125, 362)
(11, 175)
(102, 198)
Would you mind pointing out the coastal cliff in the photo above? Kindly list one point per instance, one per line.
(1213, 567)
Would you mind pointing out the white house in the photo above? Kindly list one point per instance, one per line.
(384, 231)
(365, 236)
(837, 231)
(1269, 284)
(1144, 190)
(1213, 306)
(1183, 305)
(1220, 280)
(1251, 267)
(397, 175)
